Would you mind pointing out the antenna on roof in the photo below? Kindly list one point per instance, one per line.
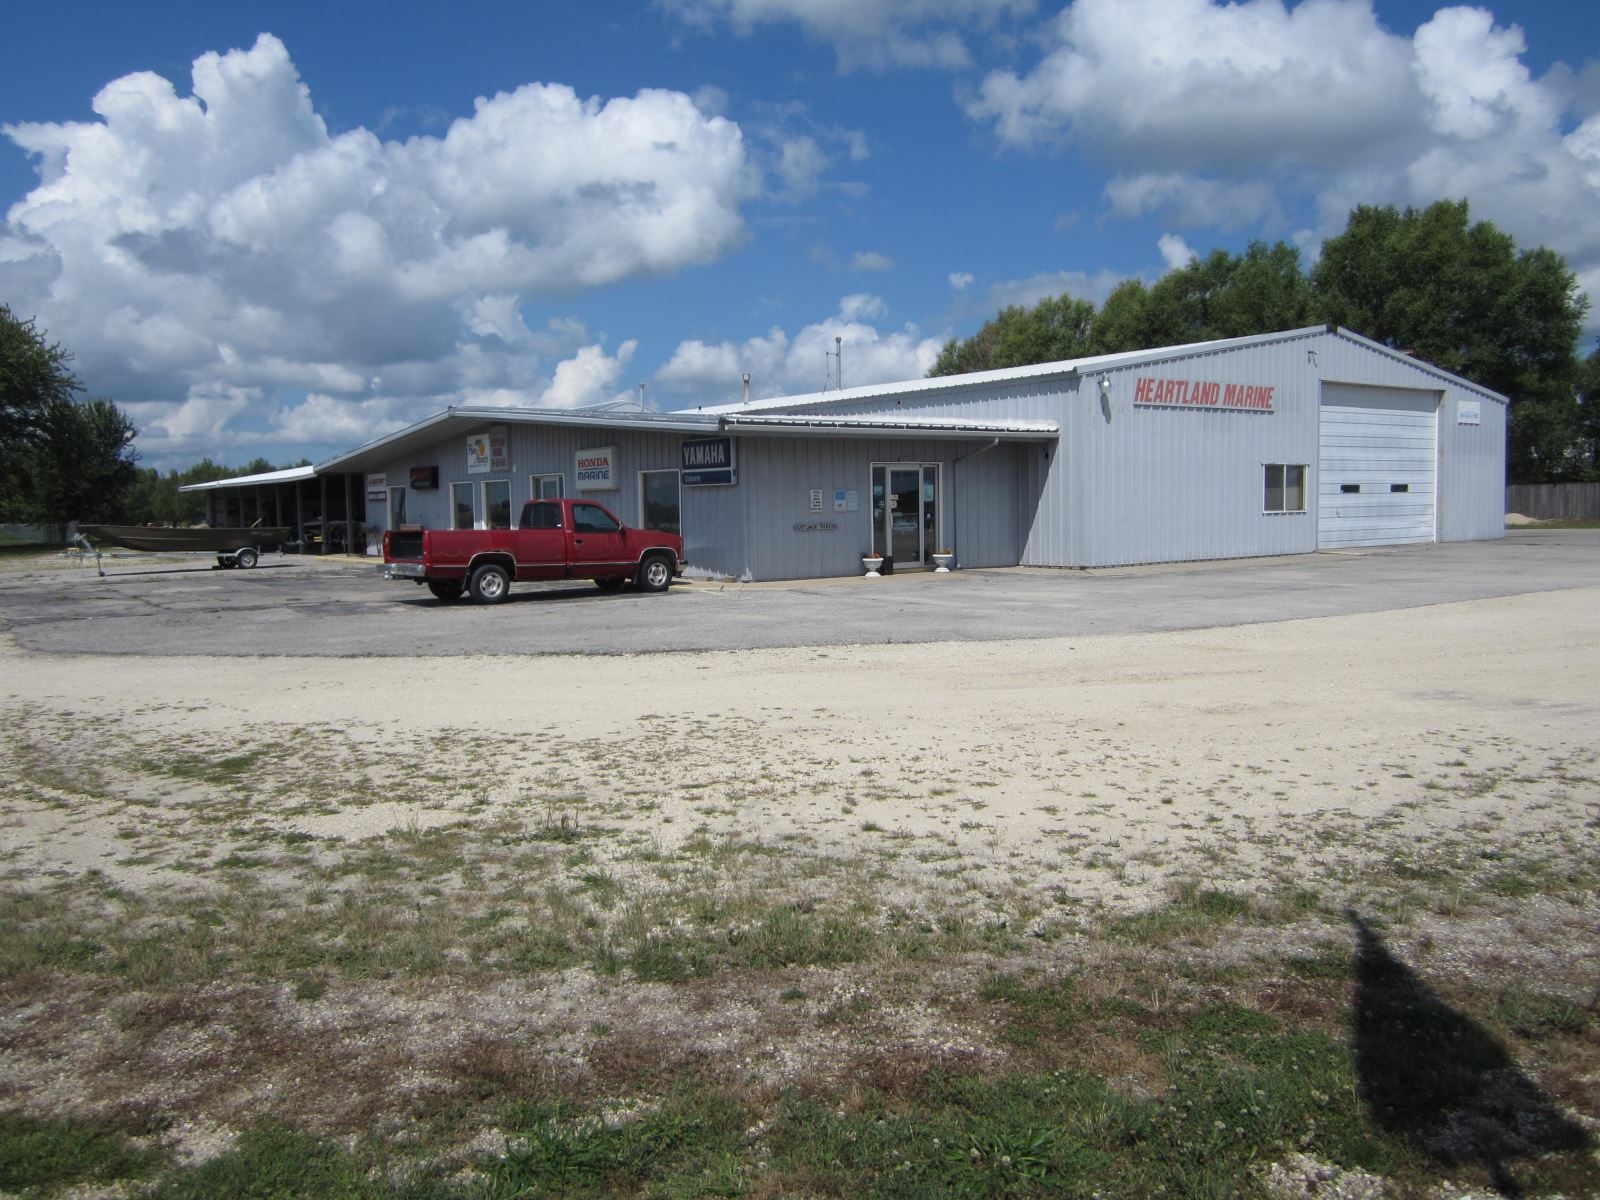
(834, 377)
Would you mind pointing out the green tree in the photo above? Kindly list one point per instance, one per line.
(34, 376)
(1462, 296)
(1056, 328)
(1589, 414)
(82, 467)
(1223, 295)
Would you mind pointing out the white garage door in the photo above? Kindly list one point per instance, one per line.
(1375, 479)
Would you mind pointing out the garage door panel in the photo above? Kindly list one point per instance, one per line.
(1376, 468)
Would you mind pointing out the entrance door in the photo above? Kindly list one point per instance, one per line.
(904, 512)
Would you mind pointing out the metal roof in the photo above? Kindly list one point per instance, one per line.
(876, 426)
(287, 475)
(1078, 367)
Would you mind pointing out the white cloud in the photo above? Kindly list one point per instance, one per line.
(960, 280)
(780, 365)
(1222, 115)
(1175, 252)
(1029, 291)
(589, 377)
(1193, 200)
(321, 420)
(870, 260)
(206, 244)
(867, 33)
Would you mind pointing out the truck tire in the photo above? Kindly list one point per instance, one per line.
(445, 589)
(245, 558)
(490, 584)
(655, 573)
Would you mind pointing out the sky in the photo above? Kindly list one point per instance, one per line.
(280, 230)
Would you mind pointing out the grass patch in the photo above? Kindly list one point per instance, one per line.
(40, 1154)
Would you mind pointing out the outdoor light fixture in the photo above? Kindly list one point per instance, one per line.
(1105, 386)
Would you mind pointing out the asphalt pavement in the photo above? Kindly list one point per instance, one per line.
(323, 608)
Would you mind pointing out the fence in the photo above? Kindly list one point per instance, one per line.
(1550, 501)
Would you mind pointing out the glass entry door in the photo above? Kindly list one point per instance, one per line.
(905, 512)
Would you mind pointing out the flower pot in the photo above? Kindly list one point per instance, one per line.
(872, 562)
(942, 560)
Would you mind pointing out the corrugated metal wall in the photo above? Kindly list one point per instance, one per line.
(1165, 484)
(1472, 469)
(978, 511)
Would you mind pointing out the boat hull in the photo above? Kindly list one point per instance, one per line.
(169, 539)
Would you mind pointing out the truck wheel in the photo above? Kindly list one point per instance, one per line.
(655, 573)
(245, 558)
(610, 585)
(490, 584)
(445, 589)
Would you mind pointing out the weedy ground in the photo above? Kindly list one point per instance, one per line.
(703, 960)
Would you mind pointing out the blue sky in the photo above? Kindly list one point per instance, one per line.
(281, 229)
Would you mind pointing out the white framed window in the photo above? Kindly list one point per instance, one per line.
(1285, 488)
(660, 502)
(397, 507)
(547, 487)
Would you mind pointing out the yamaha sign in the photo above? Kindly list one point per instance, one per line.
(708, 462)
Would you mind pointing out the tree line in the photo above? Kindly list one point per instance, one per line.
(1458, 294)
(65, 458)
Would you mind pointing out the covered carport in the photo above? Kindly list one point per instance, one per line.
(326, 513)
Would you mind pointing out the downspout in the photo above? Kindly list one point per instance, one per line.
(955, 508)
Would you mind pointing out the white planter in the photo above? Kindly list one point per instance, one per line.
(872, 562)
(941, 563)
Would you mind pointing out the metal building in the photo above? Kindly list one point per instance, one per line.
(1278, 444)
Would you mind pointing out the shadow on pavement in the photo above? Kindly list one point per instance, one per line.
(1436, 1077)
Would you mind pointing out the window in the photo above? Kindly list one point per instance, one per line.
(397, 507)
(497, 503)
(1285, 488)
(541, 516)
(661, 508)
(547, 487)
(1399, 487)
(591, 518)
(463, 506)
(1350, 489)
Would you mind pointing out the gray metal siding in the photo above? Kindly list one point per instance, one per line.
(777, 476)
(1472, 470)
(1165, 484)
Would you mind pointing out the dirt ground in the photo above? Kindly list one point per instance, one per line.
(1443, 752)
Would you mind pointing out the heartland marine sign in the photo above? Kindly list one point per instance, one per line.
(1201, 393)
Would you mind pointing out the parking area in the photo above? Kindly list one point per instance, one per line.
(322, 608)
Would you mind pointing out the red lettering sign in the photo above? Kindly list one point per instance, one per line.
(1201, 393)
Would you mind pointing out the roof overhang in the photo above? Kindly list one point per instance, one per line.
(264, 479)
(879, 426)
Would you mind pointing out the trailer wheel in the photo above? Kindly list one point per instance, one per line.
(655, 573)
(446, 589)
(490, 584)
(245, 558)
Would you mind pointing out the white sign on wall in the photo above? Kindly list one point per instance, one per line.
(478, 454)
(377, 487)
(596, 469)
(1469, 412)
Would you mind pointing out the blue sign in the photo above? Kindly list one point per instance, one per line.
(708, 462)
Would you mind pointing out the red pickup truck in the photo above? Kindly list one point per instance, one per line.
(554, 539)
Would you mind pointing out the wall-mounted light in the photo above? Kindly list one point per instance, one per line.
(1105, 386)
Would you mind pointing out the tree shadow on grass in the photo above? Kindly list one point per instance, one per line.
(1437, 1078)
